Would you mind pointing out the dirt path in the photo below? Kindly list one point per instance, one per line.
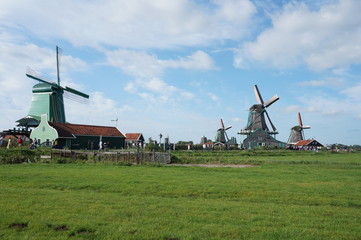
(213, 165)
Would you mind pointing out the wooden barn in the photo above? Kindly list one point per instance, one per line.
(77, 136)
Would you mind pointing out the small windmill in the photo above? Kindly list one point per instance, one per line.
(256, 117)
(297, 133)
(48, 98)
(222, 136)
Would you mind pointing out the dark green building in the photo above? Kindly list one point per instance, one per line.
(77, 136)
(261, 138)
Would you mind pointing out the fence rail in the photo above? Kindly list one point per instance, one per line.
(115, 156)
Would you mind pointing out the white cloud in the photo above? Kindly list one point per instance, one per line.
(100, 110)
(329, 82)
(346, 102)
(235, 11)
(199, 60)
(329, 37)
(238, 120)
(136, 24)
(354, 93)
(213, 97)
(324, 105)
(147, 71)
(141, 64)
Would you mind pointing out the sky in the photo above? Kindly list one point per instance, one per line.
(177, 67)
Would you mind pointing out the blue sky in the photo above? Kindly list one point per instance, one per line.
(177, 67)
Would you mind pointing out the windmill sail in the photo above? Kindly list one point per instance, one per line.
(258, 95)
(271, 101)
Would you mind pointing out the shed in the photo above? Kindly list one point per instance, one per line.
(133, 139)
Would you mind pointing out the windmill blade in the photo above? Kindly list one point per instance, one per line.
(32, 74)
(258, 94)
(300, 119)
(226, 136)
(306, 127)
(271, 101)
(222, 125)
(269, 119)
(76, 92)
(58, 52)
(302, 134)
(228, 127)
(75, 97)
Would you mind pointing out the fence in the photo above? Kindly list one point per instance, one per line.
(121, 156)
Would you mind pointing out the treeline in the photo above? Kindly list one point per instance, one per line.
(344, 147)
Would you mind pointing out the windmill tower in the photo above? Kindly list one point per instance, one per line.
(297, 133)
(257, 115)
(48, 99)
(222, 136)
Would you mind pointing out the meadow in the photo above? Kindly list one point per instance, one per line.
(285, 195)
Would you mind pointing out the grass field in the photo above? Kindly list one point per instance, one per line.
(285, 196)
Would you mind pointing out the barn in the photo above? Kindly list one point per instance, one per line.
(76, 136)
(261, 138)
(310, 144)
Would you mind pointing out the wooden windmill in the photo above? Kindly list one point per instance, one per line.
(258, 113)
(48, 99)
(222, 136)
(297, 133)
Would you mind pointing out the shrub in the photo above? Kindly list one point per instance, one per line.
(152, 147)
(16, 156)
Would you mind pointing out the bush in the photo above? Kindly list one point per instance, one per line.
(16, 156)
(152, 147)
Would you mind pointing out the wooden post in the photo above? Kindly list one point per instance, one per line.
(137, 157)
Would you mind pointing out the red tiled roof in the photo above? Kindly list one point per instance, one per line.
(304, 142)
(132, 136)
(68, 130)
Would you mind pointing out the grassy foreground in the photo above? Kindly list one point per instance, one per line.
(284, 197)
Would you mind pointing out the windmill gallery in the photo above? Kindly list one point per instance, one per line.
(46, 123)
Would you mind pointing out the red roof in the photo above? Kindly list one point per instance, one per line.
(303, 142)
(133, 136)
(308, 142)
(68, 130)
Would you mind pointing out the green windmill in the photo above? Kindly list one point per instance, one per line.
(48, 99)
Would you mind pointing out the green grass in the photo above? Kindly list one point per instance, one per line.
(266, 157)
(306, 196)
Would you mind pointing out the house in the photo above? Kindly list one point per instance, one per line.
(261, 138)
(310, 144)
(134, 139)
(76, 136)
